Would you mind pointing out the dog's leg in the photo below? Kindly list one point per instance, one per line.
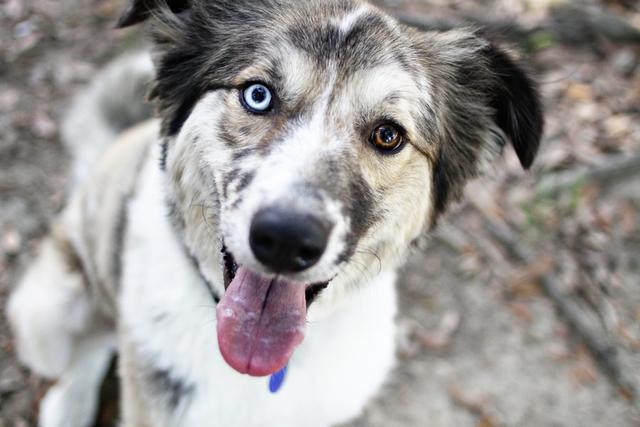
(73, 400)
(60, 335)
(48, 310)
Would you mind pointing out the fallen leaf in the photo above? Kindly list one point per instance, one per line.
(580, 92)
(8, 100)
(43, 126)
(440, 339)
(486, 421)
(477, 404)
(11, 242)
(617, 126)
(584, 371)
(588, 111)
(520, 311)
(629, 218)
(558, 351)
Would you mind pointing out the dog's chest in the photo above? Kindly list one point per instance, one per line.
(168, 320)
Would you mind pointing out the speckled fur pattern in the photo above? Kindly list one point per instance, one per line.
(135, 262)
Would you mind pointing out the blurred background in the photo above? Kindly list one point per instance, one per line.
(523, 309)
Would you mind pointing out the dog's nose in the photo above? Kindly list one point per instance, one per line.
(287, 241)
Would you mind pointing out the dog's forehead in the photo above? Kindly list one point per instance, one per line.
(355, 36)
(355, 52)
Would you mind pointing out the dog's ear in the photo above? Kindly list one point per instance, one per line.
(517, 105)
(139, 10)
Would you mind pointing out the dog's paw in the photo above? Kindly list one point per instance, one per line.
(41, 344)
(61, 407)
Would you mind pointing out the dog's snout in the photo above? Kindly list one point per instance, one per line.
(287, 241)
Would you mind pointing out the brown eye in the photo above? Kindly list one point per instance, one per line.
(387, 138)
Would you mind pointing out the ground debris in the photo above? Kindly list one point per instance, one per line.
(566, 232)
(478, 404)
(440, 339)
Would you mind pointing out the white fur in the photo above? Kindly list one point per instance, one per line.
(73, 400)
(84, 131)
(346, 23)
(297, 66)
(166, 315)
(343, 360)
(288, 165)
(198, 130)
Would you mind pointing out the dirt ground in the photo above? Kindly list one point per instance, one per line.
(522, 310)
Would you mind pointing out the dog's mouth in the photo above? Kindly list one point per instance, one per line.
(230, 267)
(261, 320)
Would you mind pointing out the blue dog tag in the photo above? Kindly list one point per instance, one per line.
(276, 380)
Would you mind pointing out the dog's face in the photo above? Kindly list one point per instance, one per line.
(308, 143)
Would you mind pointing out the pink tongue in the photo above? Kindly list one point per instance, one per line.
(260, 322)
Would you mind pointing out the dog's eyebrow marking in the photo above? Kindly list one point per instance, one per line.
(297, 68)
(348, 21)
(384, 92)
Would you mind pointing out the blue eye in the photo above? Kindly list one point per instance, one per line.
(257, 98)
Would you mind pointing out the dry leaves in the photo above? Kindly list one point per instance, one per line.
(478, 404)
(440, 339)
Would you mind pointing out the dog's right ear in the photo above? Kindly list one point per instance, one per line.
(140, 10)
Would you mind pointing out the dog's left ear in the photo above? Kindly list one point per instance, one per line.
(516, 102)
(139, 10)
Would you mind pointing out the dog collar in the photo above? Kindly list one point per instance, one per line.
(276, 380)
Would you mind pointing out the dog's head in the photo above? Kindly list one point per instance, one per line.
(308, 143)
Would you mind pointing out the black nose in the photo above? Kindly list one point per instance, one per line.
(287, 241)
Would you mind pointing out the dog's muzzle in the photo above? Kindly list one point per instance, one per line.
(261, 319)
(288, 241)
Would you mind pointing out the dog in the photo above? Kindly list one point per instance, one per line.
(254, 228)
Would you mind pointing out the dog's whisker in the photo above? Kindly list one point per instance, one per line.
(372, 254)
(210, 229)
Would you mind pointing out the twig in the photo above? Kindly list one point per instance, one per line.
(479, 405)
(606, 175)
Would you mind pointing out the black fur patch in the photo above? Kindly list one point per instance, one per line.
(368, 43)
(517, 105)
(122, 224)
(242, 153)
(164, 152)
(362, 201)
(139, 10)
(312, 292)
(440, 187)
(174, 390)
(245, 180)
(228, 180)
(483, 93)
(201, 54)
(360, 210)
